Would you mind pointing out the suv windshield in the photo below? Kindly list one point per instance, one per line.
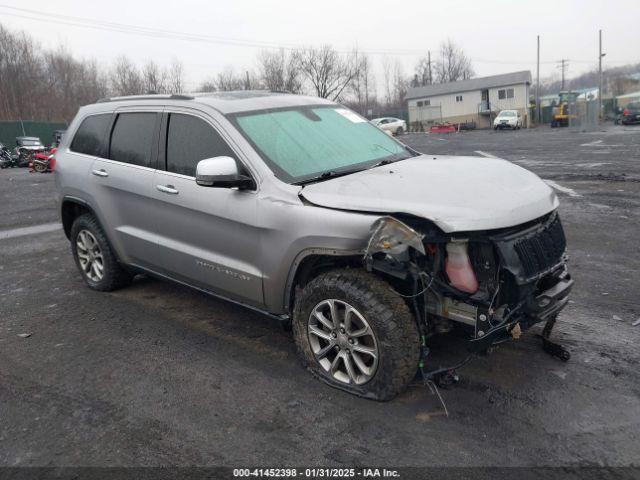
(304, 143)
(507, 113)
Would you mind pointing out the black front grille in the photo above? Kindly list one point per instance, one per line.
(542, 250)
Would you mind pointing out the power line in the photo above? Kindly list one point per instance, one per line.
(151, 32)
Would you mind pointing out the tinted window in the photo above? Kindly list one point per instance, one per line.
(132, 138)
(189, 140)
(90, 137)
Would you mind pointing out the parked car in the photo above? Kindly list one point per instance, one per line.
(508, 119)
(26, 148)
(631, 114)
(299, 208)
(395, 126)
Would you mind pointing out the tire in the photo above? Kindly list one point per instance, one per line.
(391, 325)
(399, 131)
(39, 167)
(113, 275)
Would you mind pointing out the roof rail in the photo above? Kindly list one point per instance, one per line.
(147, 97)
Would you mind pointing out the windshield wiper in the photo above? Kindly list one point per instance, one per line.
(326, 175)
(386, 161)
(397, 156)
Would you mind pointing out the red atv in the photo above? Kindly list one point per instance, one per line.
(43, 162)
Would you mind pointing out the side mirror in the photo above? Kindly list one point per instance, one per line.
(222, 172)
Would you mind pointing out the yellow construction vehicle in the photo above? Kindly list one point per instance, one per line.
(561, 116)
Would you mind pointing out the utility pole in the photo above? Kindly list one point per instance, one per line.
(429, 63)
(538, 86)
(600, 55)
(564, 63)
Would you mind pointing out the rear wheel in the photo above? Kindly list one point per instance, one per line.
(354, 333)
(399, 131)
(94, 257)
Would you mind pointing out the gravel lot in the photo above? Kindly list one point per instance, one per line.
(157, 374)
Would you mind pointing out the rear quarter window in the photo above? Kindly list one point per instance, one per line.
(90, 138)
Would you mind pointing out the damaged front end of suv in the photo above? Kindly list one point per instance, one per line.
(492, 284)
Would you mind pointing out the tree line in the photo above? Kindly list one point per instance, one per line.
(43, 84)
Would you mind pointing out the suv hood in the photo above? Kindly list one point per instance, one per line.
(456, 193)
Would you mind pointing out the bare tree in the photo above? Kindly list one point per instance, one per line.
(328, 72)
(395, 83)
(229, 80)
(125, 78)
(279, 71)
(387, 79)
(175, 78)
(423, 72)
(41, 84)
(21, 75)
(207, 86)
(453, 64)
(153, 78)
(363, 84)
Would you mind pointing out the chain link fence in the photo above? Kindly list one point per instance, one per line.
(583, 115)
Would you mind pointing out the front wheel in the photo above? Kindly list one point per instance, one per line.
(355, 333)
(399, 131)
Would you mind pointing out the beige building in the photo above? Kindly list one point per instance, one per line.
(623, 100)
(476, 100)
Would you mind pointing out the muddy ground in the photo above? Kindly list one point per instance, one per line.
(157, 374)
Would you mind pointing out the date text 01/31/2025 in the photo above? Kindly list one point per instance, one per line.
(316, 472)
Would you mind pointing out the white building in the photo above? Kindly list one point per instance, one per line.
(475, 100)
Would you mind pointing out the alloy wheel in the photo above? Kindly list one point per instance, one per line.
(343, 342)
(90, 255)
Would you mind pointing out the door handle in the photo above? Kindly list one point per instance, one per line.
(167, 189)
(100, 173)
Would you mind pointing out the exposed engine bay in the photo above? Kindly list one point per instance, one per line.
(492, 284)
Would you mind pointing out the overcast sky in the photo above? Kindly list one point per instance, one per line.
(498, 35)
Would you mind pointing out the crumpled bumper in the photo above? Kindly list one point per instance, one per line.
(540, 307)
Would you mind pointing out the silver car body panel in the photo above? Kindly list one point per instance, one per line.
(246, 245)
(456, 193)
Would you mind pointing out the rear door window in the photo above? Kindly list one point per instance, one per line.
(91, 136)
(189, 140)
(132, 138)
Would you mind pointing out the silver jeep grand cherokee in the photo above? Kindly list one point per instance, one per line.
(299, 208)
